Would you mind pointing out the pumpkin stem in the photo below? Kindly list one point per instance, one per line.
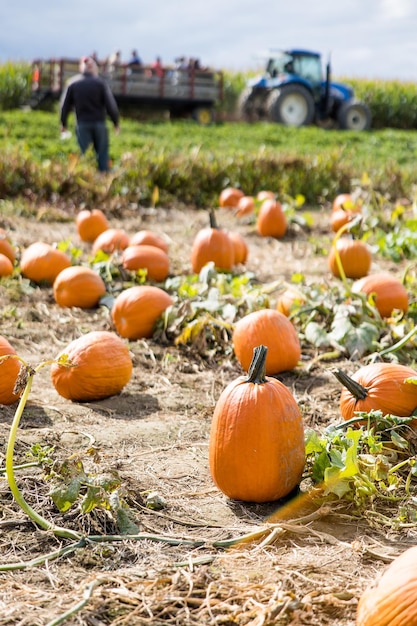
(256, 373)
(212, 216)
(356, 389)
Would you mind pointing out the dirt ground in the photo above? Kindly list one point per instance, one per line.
(308, 565)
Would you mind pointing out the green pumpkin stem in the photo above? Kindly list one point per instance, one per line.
(356, 389)
(213, 222)
(256, 373)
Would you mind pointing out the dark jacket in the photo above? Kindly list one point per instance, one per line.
(91, 98)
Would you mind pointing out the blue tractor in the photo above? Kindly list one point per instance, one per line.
(293, 91)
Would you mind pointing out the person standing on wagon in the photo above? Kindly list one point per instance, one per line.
(92, 100)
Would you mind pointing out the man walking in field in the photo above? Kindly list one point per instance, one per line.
(92, 100)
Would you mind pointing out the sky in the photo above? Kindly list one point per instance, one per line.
(363, 38)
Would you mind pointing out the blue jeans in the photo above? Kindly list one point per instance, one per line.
(95, 133)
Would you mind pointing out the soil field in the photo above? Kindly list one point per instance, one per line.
(308, 563)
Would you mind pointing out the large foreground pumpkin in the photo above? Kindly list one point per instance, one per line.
(380, 387)
(102, 366)
(272, 329)
(9, 371)
(256, 450)
(136, 310)
(392, 600)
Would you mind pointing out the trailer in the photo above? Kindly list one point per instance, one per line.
(186, 92)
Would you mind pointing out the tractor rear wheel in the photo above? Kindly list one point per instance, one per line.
(354, 115)
(291, 105)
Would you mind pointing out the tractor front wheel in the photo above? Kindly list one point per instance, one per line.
(246, 105)
(291, 105)
(354, 115)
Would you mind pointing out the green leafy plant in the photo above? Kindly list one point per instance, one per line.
(372, 465)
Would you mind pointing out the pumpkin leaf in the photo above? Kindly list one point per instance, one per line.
(316, 335)
(65, 495)
(361, 340)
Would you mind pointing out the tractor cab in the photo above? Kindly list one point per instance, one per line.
(301, 65)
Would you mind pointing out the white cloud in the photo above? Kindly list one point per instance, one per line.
(375, 38)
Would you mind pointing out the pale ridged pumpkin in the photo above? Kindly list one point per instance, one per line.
(230, 196)
(102, 367)
(6, 266)
(78, 286)
(6, 247)
(388, 291)
(111, 240)
(90, 224)
(392, 600)
(378, 386)
(145, 257)
(41, 263)
(256, 448)
(240, 247)
(136, 310)
(271, 220)
(149, 238)
(212, 244)
(9, 371)
(272, 329)
(355, 257)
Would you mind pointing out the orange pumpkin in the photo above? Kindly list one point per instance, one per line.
(289, 299)
(378, 386)
(150, 258)
(136, 310)
(355, 257)
(230, 196)
(101, 366)
(388, 291)
(346, 202)
(339, 218)
(6, 266)
(392, 600)
(90, 224)
(272, 329)
(149, 238)
(265, 194)
(41, 263)
(256, 448)
(240, 247)
(212, 244)
(245, 206)
(111, 240)
(6, 247)
(9, 371)
(271, 220)
(78, 286)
